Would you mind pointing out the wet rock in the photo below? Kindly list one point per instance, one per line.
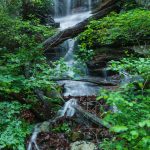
(102, 56)
(83, 145)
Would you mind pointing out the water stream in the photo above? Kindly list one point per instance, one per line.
(73, 88)
(67, 110)
(73, 16)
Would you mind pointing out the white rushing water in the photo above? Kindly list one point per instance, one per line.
(74, 16)
(71, 20)
(67, 110)
(69, 7)
(78, 88)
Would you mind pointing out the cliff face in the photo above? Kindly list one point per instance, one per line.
(145, 3)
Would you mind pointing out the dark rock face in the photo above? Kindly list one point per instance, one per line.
(145, 3)
(103, 56)
(48, 20)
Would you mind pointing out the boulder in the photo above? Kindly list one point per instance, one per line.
(83, 145)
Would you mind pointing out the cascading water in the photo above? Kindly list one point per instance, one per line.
(69, 7)
(89, 4)
(73, 88)
(73, 17)
(56, 7)
(67, 110)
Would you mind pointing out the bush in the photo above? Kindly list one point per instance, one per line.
(13, 130)
(20, 49)
(131, 122)
(16, 33)
(124, 28)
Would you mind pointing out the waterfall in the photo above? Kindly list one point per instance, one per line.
(69, 57)
(66, 7)
(67, 110)
(75, 11)
(89, 4)
(69, 2)
(56, 7)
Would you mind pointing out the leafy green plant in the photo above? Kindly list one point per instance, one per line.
(62, 128)
(134, 66)
(37, 9)
(84, 55)
(13, 130)
(23, 66)
(16, 33)
(131, 121)
(124, 28)
(12, 7)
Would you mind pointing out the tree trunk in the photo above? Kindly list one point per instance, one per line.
(98, 82)
(91, 117)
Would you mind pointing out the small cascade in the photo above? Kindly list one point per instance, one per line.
(75, 12)
(89, 4)
(69, 54)
(69, 58)
(67, 110)
(105, 75)
(56, 7)
(69, 2)
(33, 138)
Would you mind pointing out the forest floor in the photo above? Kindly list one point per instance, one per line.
(68, 130)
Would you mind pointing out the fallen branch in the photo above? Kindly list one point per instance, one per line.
(93, 118)
(96, 82)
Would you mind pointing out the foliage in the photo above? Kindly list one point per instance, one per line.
(128, 5)
(134, 66)
(15, 32)
(131, 121)
(62, 128)
(84, 55)
(12, 7)
(13, 130)
(27, 8)
(37, 9)
(23, 68)
(123, 28)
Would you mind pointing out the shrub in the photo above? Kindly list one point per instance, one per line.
(131, 122)
(124, 28)
(13, 130)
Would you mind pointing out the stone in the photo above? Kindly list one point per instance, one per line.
(83, 145)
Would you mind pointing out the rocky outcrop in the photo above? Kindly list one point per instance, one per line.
(102, 57)
(145, 3)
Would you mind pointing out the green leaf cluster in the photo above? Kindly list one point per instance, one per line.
(130, 118)
(13, 130)
(23, 68)
(124, 28)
